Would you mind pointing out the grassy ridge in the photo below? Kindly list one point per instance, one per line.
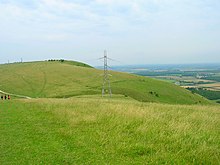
(66, 79)
(76, 63)
(99, 131)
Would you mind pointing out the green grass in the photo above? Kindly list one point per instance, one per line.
(75, 63)
(66, 79)
(68, 122)
(93, 130)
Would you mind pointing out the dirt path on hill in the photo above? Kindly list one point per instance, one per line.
(21, 96)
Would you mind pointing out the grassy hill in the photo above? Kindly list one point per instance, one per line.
(55, 79)
(92, 130)
(89, 129)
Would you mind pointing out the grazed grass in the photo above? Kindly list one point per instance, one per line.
(104, 131)
(62, 80)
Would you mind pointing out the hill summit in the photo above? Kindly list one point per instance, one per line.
(59, 79)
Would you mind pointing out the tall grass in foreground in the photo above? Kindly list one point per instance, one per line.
(102, 131)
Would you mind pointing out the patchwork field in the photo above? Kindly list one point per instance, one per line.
(213, 86)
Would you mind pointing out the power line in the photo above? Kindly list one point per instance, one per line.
(102, 60)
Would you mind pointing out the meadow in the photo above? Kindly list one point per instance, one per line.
(55, 79)
(95, 130)
(64, 120)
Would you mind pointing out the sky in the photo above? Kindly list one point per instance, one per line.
(132, 31)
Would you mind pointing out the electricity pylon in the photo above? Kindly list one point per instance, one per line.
(106, 82)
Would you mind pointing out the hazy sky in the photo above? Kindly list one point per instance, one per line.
(132, 31)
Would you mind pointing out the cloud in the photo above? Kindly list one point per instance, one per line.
(107, 17)
(145, 26)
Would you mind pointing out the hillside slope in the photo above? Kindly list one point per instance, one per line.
(66, 79)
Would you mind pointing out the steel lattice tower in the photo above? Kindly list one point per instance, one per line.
(106, 82)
